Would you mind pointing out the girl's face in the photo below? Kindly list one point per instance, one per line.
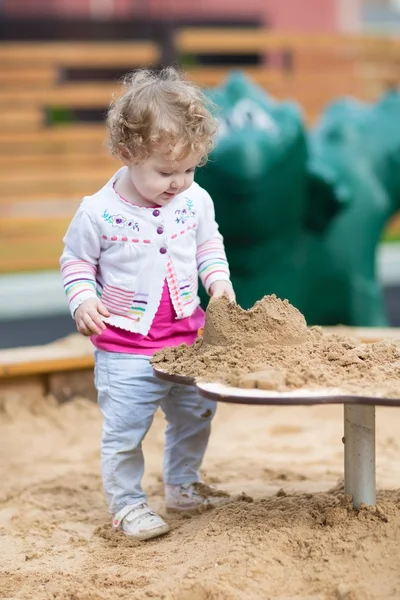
(159, 178)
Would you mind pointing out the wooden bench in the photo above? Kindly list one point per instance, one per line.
(42, 161)
(22, 77)
(33, 241)
(59, 140)
(59, 184)
(45, 170)
(330, 57)
(312, 91)
(92, 95)
(81, 54)
(26, 118)
(236, 41)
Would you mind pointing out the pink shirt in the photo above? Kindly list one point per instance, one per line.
(166, 330)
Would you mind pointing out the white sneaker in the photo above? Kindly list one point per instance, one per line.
(138, 521)
(194, 497)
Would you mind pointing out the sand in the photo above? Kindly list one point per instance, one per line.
(297, 540)
(270, 347)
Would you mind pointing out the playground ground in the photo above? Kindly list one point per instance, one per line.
(297, 540)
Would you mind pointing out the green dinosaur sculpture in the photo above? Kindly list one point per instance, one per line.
(302, 214)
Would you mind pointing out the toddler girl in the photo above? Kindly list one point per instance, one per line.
(133, 254)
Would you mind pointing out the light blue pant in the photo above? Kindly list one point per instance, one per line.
(129, 395)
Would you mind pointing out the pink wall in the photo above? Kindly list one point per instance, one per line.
(294, 15)
(303, 15)
(289, 15)
(208, 8)
(20, 7)
(74, 8)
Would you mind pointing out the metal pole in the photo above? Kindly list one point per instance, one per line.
(359, 453)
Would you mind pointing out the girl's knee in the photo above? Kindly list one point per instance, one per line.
(189, 406)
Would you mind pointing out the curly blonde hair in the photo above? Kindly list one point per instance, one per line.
(160, 107)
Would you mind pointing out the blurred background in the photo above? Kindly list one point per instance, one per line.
(61, 61)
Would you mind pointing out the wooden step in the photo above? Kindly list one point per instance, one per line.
(69, 95)
(22, 257)
(60, 139)
(81, 54)
(34, 227)
(313, 92)
(27, 118)
(42, 209)
(264, 76)
(99, 95)
(66, 182)
(203, 40)
(24, 77)
(48, 161)
(37, 196)
(33, 241)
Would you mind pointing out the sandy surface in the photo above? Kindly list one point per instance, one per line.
(270, 347)
(296, 540)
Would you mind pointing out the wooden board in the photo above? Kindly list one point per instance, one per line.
(32, 240)
(61, 139)
(81, 54)
(44, 162)
(305, 87)
(45, 366)
(27, 118)
(68, 95)
(231, 40)
(24, 77)
(313, 91)
(67, 181)
(73, 353)
(264, 76)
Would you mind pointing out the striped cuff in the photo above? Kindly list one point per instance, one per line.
(211, 263)
(79, 282)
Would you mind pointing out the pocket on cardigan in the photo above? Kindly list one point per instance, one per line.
(118, 296)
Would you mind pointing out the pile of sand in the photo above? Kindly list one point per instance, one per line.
(270, 347)
(270, 321)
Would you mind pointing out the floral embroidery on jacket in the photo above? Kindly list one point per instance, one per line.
(183, 214)
(132, 225)
(119, 221)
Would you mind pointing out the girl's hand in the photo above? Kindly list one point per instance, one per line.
(222, 288)
(88, 317)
